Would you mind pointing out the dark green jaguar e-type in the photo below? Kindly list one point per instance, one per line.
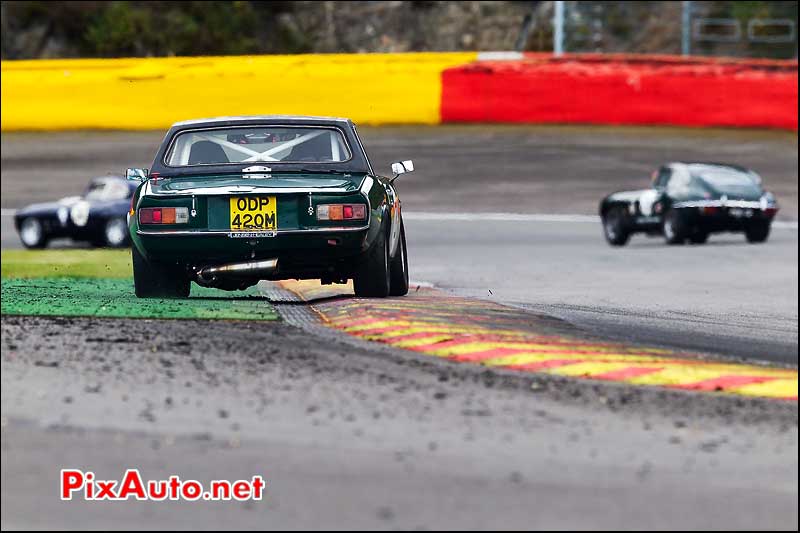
(231, 201)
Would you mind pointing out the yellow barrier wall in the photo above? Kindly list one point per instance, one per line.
(152, 93)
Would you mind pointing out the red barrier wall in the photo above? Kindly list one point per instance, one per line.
(594, 89)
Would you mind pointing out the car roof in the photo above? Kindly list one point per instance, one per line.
(132, 184)
(261, 119)
(697, 165)
(358, 163)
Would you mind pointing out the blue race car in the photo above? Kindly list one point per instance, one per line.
(98, 217)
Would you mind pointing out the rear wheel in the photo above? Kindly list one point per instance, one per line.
(398, 267)
(615, 227)
(757, 232)
(157, 281)
(372, 277)
(675, 227)
(32, 234)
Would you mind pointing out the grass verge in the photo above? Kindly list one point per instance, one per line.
(99, 283)
(66, 263)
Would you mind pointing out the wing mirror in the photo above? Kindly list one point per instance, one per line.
(401, 167)
(136, 174)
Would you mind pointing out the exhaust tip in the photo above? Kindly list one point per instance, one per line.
(247, 269)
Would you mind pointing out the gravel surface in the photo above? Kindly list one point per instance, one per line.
(353, 438)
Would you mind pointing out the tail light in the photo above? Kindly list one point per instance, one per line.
(710, 210)
(771, 211)
(163, 215)
(341, 212)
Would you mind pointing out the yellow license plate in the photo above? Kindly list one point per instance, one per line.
(254, 213)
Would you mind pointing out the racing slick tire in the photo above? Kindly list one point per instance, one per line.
(398, 267)
(757, 232)
(698, 237)
(32, 234)
(115, 233)
(157, 281)
(675, 227)
(372, 278)
(615, 226)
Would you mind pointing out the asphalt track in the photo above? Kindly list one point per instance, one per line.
(352, 436)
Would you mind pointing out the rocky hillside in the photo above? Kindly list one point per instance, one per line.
(43, 29)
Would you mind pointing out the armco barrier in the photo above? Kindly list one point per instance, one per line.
(592, 89)
(413, 88)
(155, 92)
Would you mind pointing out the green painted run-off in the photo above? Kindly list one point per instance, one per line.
(103, 297)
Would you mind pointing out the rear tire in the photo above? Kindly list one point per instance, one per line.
(32, 234)
(675, 227)
(615, 226)
(157, 281)
(757, 232)
(372, 277)
(398, 267)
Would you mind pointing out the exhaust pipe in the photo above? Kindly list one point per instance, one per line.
(249, 269)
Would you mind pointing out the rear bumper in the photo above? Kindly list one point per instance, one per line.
(724, 220)
(728, 215)
(301, 253)
(713, 224)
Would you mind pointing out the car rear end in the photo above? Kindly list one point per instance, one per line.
(312, 233)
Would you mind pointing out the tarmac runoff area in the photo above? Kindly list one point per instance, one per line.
(356, 428)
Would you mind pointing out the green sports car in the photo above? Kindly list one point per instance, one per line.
(231, 201)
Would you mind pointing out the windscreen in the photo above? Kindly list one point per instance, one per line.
(258, 145)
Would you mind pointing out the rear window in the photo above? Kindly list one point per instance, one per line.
(258, 145)
(727, 180)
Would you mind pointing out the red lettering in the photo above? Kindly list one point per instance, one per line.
(192, 490)
(174, 485)
(132, 485)
(71, 480)
(241, 490)
(157, 490)
(106, 490)
(221, 490)
(258, 487)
